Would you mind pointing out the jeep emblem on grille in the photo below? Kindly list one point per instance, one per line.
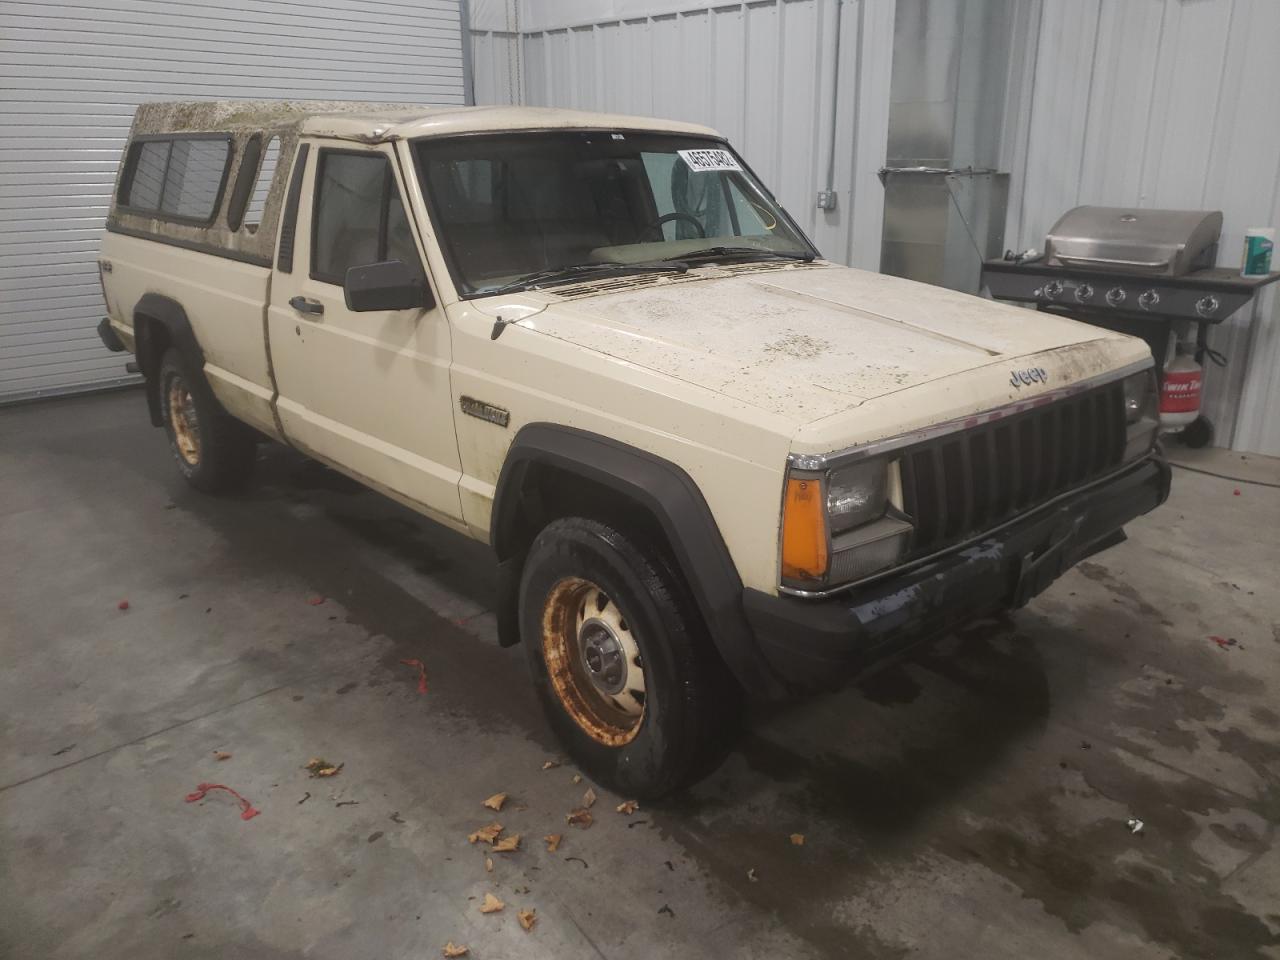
(1024, 378)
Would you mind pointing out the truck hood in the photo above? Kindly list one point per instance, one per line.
(803, 341)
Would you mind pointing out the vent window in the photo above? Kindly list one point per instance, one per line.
(266, 174)
(253, 183)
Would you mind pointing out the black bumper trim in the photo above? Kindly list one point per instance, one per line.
(816, 644)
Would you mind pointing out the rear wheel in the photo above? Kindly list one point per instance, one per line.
(623, 666)
(214, 451)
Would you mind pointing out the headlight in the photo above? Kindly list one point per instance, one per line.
(841, 524)
(856, 494)
(1141, 413)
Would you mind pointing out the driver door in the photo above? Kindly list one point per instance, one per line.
(365, 392)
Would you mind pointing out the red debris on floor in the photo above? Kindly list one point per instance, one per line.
(247, 809)
(315, 601)
(122, 605)
(422, 673)
(1224, 642)
(1235, 492)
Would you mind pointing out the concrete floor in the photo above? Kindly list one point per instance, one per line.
(969, 803)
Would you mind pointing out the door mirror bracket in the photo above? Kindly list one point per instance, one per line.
(389, 285)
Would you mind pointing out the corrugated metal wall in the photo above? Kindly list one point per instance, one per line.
(1165, 103)
(71, 74)
(761, 73)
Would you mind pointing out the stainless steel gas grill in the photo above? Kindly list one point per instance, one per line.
(1144, 272)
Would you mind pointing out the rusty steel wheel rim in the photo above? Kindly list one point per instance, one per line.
(593, 661)
(182, 419)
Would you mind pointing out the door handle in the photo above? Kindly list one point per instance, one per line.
(303, 305)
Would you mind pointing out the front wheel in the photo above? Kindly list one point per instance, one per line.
(214, 452)
(623, 666)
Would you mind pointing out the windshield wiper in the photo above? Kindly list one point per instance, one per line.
(714, 253)
(573, 271)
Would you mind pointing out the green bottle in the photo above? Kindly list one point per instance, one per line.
(1258, 243)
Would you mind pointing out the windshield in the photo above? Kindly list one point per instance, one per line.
(515, 210)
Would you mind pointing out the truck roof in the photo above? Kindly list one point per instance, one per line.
(243, 120)
(374, 122)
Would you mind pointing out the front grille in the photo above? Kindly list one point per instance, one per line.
(961, 484)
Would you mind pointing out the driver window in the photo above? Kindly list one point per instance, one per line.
(657, 167)
(359, 217)
(753, 219)
(691, 195)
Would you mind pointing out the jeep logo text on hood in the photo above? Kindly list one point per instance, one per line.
(1024, 378)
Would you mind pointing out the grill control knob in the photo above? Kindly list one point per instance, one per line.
(1207, 305)
(1148, 299)
(1053, 289)
(1084, 292)
(1115, 296)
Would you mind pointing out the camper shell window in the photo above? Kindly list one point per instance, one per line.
(179, 178)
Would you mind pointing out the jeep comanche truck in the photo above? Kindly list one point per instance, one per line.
(707, 460)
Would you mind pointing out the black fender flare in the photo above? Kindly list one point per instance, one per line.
(169, 313)
(672, 499)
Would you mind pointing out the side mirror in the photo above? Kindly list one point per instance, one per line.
(390, 285)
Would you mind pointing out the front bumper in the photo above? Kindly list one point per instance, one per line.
(110, 339)
(816, 644)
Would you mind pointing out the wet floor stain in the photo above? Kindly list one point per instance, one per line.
(1102, 576)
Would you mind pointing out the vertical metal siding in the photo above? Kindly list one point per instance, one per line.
(1163, 103)
(758, 72)
(71, 74)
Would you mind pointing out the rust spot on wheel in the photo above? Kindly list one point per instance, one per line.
(593, 661)
(183, 422)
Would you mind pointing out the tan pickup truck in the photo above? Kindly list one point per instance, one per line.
(708, 461)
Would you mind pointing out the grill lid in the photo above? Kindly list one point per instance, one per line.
(1167, 243)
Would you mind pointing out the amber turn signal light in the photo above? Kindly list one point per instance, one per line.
(804, 530)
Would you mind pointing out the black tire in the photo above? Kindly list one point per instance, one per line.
(691, 705)
(215, 452)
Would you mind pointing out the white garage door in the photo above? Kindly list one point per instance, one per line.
(71, 73)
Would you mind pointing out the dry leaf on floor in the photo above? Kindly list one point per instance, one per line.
(507, 844)
(488, 864)
(452, 949)
(628, 807)
(579, 818)
(798, 839)
(496, 801)
(487, 834)
(491, 904)
(588, 798)
(221, 755)
(550, 764)
(553, 841)
(527, 919)
(319, 767)
(751, 875)
(577, 778)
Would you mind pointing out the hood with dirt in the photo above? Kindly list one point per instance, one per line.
(803, 341)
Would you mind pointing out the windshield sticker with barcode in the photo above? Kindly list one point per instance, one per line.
(707, 161)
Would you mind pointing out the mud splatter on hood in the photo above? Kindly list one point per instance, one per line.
(804, 343)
